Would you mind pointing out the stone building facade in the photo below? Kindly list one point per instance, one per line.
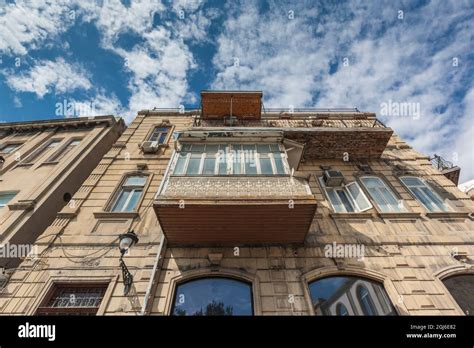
(42, 165)
(242, 210)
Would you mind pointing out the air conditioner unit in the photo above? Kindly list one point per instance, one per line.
(149, 146)
(333, 178)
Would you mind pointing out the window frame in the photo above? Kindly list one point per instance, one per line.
(7, 144)
(248, 283)
(119, 189)
(152, 132)
(14, 193)
(41, 151)
(229, 160)
(370, 301)
(45, 309)
(59, 154)
(351, 199)
(389, 188)
(425, 185)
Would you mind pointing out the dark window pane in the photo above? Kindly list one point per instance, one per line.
(358, 296)
(199, 148)
(279, 163)
(213, 296)
(193, 165)
(122, 199)
(461, 288)
(179, 169)
(343, 197)
(263, 148)
(266, 165)
(209, 165)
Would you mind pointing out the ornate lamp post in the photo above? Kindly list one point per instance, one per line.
(127, 240)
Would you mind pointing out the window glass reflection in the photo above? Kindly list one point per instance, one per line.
(461, 288)
(213, 296)
(349, 296)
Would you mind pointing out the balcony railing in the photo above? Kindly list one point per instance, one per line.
(448, 169)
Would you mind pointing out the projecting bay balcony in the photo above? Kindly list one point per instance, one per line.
(235, 210)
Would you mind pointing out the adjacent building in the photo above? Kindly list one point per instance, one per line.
(42, 165)
(244, 210)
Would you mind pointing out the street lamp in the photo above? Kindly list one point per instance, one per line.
(127, 240)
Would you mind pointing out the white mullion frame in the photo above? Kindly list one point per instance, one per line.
(355, 204)
(382, 196)
(351, 200)
(272, 161)
(428, 199)
(201, 163)
(229, 159)
(130, 195)
(216, 163)
(257, 162)
(325, 189)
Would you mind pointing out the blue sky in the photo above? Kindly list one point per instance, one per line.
(117, 57)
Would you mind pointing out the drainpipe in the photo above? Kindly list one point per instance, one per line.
(160, 247)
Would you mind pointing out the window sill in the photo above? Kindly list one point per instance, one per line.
(25, 205)
(362, 215)
(447, 215)
(49, 163)
(400, 215)
(114, 214)
(24, 164)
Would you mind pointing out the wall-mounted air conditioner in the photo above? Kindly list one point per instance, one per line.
(333, 178)
(149, 146)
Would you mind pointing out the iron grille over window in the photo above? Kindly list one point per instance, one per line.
(83, 299)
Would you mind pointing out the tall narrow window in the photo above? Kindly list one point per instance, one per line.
(129, 194)
(382, 195)
(52, 144)
(213, 296)
(6, 197)
(341, 310)
(365, 301)
(61, 153)
(73, 299)
(424, 194)
(346, 199)
(9, 148)
(159, 134)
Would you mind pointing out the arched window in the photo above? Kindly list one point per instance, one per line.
(424, 194)
(382, 194)
(341, 310)
(349, 295)
(365, 301)
(129, 194)
(461, 288)
(213, 296)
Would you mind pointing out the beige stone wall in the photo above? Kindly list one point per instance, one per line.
(408, 253)
(40, 185)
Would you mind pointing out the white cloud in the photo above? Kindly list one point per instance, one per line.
(159, 64)
(463, 153)
(299, 61)
(27, 24)
(49, 77)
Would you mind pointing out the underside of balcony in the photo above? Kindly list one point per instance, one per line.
(232, 211)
